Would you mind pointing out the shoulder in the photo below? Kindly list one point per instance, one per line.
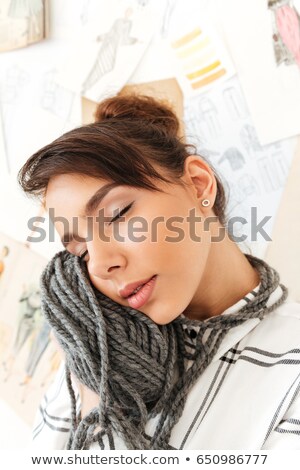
(287, 313)
(284, 321)
(273, 346)
(280, 328)
(52, 423)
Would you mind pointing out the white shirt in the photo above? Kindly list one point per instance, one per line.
(247, 398)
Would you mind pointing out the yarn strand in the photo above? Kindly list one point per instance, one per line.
(139, 370)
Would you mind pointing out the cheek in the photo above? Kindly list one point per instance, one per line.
(106, 287)
(186, 259)
(96, 282)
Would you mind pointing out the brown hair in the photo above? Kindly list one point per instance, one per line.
(131, 133)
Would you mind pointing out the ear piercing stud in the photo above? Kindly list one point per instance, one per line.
(205, 202)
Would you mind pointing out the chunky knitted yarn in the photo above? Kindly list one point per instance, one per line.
(137, 368)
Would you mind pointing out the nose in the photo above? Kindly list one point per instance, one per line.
(104, 257)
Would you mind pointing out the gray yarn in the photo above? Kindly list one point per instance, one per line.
(138, 368)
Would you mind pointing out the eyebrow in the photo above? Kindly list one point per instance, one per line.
(89, 207)
(97, 197)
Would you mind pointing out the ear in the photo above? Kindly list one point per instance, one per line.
(199, 175)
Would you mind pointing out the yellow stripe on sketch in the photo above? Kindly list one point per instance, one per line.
(209, 79)
(187, 38)
(200, 61)
(192, 49)
(207, 69)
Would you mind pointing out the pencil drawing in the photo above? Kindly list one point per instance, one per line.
(118, 35)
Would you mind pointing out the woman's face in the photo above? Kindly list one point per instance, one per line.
(147, 242)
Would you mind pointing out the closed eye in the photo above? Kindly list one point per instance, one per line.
(123, 211)
(82, 256)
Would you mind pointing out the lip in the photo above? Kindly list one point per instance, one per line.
(131, 287)
(139, 299)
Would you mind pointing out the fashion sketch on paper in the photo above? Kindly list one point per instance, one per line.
(29, 321)
(117, 36)
(27, 9)
(286, 31)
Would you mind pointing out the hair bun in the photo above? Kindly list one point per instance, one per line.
(143, 107)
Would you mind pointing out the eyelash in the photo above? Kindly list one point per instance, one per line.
(83, 254)
(123, 211)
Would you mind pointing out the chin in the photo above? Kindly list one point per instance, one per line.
(161, 323)
(162, 319)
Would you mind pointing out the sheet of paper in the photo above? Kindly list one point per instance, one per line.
(159, 62)
(156, 63)
(284, 252)
(35, 111)
(255, 175)
(34, 108)
(267, 62)
(109, 49)
(28, 357)
(22, 23)
(200, 57)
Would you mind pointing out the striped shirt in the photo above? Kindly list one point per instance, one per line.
(247, 398)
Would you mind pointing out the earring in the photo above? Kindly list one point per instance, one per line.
(205, 202)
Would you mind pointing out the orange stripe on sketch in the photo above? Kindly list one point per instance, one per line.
(207, 69)
(209, 79)
(187, 38)
(186, 52)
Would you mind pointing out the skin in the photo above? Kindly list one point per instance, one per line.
(198, 279)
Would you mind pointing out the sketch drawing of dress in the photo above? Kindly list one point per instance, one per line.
(29, 313)
(38, 348)
(24, 8)
(234, 157)
(30, 10)
(117, 36)
(286, 31)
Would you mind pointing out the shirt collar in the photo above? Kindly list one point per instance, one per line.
(235, 334)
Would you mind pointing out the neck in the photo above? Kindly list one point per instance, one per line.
(227, 278)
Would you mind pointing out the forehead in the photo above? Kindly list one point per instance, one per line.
(68, 193)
